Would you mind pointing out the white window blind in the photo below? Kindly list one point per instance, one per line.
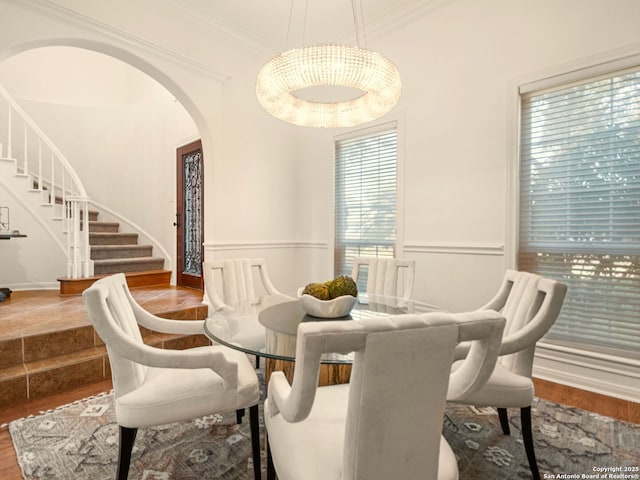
(580, 206)
(365, 198)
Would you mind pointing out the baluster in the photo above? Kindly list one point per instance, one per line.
(87, 264)
(51, 181)
(67, 210)
(76, 238)
(40, 185)
(64, 186)
(25, 161)
(9, 155)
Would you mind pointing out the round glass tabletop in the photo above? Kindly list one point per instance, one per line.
(267, 327)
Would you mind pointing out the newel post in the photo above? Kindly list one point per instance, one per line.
(79, 263)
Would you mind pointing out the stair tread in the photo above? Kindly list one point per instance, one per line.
(51, 363)
(14, 371)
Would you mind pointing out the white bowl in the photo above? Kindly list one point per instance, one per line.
(335, 308)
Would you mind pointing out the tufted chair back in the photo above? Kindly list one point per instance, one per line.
(112, 313)
(531, 304)
(384, 275)
(237, 281)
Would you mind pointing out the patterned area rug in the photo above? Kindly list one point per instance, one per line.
(569, 443)
(80, 441)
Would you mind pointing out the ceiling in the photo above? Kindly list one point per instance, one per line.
(264, 24)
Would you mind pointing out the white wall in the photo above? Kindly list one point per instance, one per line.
(269, 185)
(34, 262)
(249, 191)
(75, 76)
(459, 64)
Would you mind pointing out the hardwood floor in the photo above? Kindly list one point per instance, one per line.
(592, 402)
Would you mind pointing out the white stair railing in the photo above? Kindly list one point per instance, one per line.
(36, 157)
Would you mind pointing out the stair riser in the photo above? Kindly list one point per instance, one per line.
(58, 374)
(103, 227)
(66, 377)
(65, 342)
(132, 266)
(70, 286)
(93, 216)
(113, 239)
(125, 251)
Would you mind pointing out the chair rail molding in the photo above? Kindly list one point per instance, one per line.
(213, 246)
(455, 248)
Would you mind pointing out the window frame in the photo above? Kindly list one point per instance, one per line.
(577, 71)
(390, 122)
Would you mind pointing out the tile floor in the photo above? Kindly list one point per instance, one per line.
(47, 344)
(36, 312)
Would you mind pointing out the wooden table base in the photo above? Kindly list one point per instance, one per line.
(330, 373)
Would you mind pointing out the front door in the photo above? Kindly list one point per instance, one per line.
(190, 215)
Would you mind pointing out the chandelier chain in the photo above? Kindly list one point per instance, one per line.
(358, 23)
(304, 26)
(286, 42)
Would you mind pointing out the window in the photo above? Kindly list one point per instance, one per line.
(365, 198)
(580, 206)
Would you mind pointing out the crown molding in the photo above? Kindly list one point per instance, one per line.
(383, 23)
(51, 8)
(401, 15)
(241, 37)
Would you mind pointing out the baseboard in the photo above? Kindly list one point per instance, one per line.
(605, 375)
(32, 286)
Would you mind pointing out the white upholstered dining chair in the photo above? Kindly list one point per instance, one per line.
(234, 278)
(231, 281)
(530, 304)
(153, 386)
(376, 427)
(384, 275)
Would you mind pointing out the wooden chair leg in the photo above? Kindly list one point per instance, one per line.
(504, 421)
(127, 439)
(239, 415)
(271, 471)
(254, 422)
(527, 438)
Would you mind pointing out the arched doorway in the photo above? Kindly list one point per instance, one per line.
(127, 106)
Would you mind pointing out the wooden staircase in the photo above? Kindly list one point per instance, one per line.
(113, 251)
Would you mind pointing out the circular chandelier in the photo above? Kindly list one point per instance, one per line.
(328, 65)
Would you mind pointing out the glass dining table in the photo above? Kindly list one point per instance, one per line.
(267, 327)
